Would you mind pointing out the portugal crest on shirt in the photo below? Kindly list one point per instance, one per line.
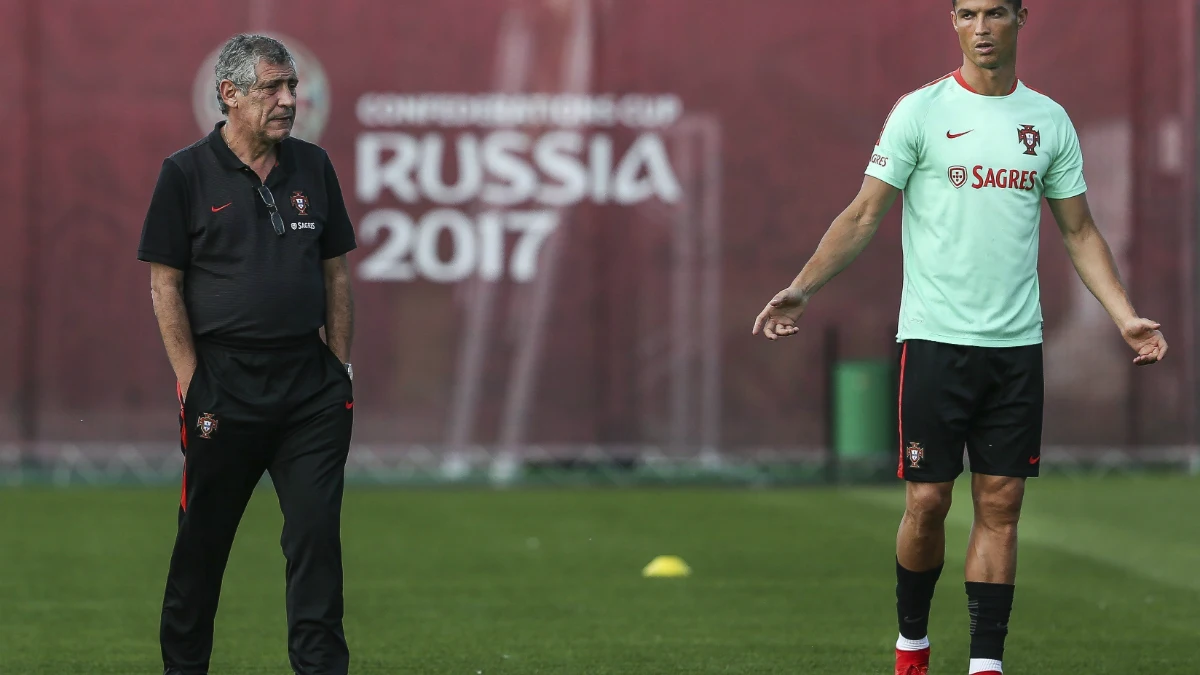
(1031, 137)
(300, 203)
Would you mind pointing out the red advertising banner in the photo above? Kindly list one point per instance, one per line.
(569, 212)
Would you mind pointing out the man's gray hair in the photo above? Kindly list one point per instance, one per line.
(239, 59)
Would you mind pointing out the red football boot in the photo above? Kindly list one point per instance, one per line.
(912, 663)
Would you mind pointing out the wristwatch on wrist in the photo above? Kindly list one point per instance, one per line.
(350, 371)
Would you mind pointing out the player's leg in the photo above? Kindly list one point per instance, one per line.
(934, 409)
(992, 547)
(991, 567)
(223, 461)
(920, 551)
(309, 476)
(1004, 446)
(920, 557)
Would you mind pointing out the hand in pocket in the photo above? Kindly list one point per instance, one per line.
(184, 385)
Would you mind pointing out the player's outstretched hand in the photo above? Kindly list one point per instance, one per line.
(1145, 338)
(778, 319)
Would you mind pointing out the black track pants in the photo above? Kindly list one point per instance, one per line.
(288, 412)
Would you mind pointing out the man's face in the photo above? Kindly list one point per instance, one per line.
(987, 31)
(268, 109)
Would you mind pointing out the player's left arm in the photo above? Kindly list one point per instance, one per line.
(1066, 191)
(339, 307)
(1093, 260)
(337, 239)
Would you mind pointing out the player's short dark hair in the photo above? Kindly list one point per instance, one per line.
(1016, 4)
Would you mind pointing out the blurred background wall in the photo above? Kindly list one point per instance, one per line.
(570, 211)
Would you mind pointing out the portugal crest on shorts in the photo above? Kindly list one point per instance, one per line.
(1031, 137)
(207, 424)
(916, 454)
(300, 203)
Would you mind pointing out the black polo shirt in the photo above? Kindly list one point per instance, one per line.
(243, 283)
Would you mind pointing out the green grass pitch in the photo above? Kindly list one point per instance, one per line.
(549, 581)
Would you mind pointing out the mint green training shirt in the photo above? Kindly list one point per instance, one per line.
(974, 169)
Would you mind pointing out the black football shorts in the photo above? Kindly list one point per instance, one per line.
(988, 399)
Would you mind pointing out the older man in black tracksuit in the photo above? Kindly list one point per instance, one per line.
(246, 235)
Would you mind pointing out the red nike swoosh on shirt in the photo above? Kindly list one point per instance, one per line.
(950, 135)
(1034, 460)
(218, 208)
(349, 405)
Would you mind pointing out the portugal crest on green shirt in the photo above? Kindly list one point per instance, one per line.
(1031, 137)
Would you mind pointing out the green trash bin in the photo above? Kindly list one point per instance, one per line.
(864, 419)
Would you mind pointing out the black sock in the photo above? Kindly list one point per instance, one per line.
(914, 594)
(989, 606)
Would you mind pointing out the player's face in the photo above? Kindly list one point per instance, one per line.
(268, 109)
(987, 31)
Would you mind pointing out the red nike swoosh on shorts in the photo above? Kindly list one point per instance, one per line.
(218, 208)
(950, 135)
(349, 405)
(1035, 460)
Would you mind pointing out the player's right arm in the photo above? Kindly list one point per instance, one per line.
(166, 245)
(166, 293)
(849, 234)
(895, 157)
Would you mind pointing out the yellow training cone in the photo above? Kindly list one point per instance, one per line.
(667, 566)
